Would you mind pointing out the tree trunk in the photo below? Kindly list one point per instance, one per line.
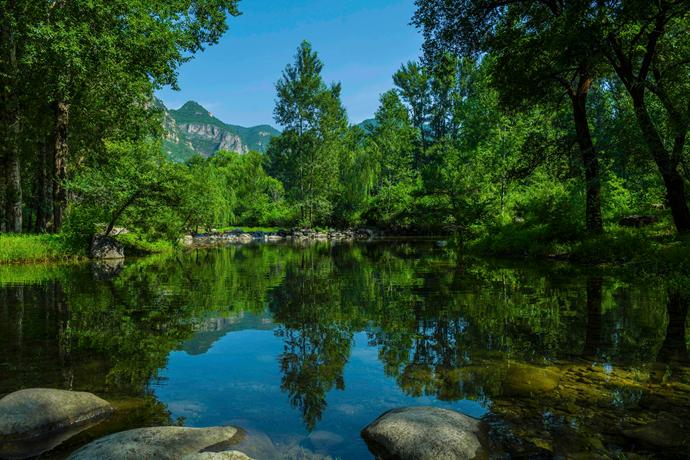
(60, 164)
(42, 193)
(675, 187)
(593, 218)
(13, 181)
(674, 345)
(3, 195)
(593, 334)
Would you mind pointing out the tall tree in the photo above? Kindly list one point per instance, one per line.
(541, 49)
(646, 45)
(413, 81)
(314, 121)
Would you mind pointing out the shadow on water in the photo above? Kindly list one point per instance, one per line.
(559, 362)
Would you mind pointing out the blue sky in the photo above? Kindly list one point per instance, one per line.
(362, 43)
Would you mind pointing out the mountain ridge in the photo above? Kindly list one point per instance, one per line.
(192, 129)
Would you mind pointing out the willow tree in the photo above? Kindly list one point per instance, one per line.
(542, 50)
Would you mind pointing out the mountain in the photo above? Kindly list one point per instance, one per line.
(368, 124)
(192, 129)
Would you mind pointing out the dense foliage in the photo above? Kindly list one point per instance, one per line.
(525, 122)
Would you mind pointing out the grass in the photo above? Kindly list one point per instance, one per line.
(137, 244)
(35, 248)
(56, 248)
(656, 251)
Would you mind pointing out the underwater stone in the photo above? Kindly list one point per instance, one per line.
(231, 455)
(160, 443)
(525, 380)
(424, 433)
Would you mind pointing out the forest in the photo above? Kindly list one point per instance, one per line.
(522, 124)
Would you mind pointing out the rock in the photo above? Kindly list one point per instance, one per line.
(106, 247)
(659, 207)
(160, 443)
(323, 441)
(118, 231)
(664, 434)
(441, 243)
(257, 445)
(237, 231)
(424, 433)
(258, 234)
(525, 381)
(230, 455)
(107, 269)
(37, 419)
(638, 221)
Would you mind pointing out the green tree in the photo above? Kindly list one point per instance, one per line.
(541, 50)
(314, 122)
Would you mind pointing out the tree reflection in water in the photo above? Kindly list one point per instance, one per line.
(560, 360)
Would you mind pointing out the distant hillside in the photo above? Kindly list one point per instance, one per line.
(193, 129)
(368, 124)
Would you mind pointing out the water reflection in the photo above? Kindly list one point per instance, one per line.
(562, 362)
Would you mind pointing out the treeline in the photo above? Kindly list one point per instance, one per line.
(550, 120)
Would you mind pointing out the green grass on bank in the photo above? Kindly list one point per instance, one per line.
(55, 248)
(656, 250)
(35, 248)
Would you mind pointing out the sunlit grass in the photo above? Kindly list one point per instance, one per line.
(34, 248)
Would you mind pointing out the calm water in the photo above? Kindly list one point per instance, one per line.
(303, 346)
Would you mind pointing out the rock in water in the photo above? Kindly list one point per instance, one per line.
(107, 269)
(525, 381)
(159, 443)
(424, 433)
(106, 247)
(37, 419)
(230, 455)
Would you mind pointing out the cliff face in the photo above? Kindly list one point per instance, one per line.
(208, 139)
(194, 130)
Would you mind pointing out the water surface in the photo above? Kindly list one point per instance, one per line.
(303, 346)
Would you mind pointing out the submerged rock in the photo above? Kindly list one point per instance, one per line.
(160, 443)
(323, 441)
(106, 247)
(664, 434)
(424, 433)
(525, 380)
(230, 455)
(37, 419)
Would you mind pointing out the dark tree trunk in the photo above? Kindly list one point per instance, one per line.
(668, 167)
(3, 195)
(674, 345)
(578, 97)
(42, 192)
(60, 164)
(13, 187)
(593, 335)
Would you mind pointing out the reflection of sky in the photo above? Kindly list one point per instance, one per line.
(238, 379)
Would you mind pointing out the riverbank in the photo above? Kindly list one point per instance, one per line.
(59, 248)
(653, 251)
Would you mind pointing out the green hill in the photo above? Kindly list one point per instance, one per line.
(193, 129)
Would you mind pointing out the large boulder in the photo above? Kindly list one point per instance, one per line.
(106, 247)
(425, 433)
(160, 443)
(36, 420)
(638, 221)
